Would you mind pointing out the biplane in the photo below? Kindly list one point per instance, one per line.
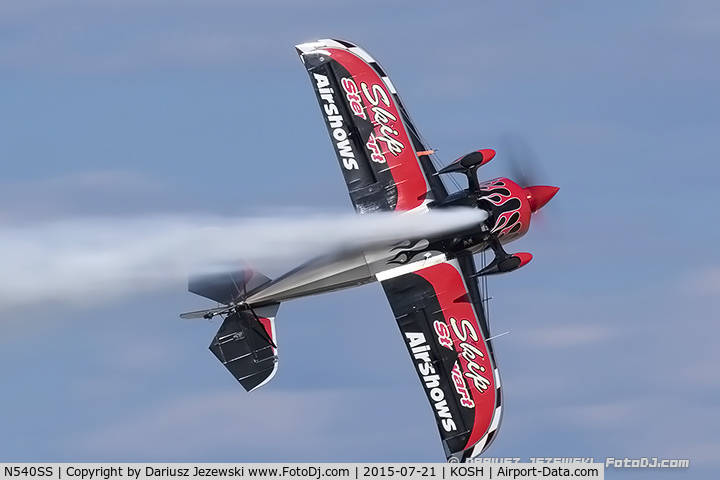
(435, 290)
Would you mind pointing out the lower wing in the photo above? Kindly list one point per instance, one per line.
(439, 310)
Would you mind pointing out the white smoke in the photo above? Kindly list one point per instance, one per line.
(90, 260)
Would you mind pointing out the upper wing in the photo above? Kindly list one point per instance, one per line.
(385, 163)
(439, 311)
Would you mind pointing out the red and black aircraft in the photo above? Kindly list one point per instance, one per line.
(431, 283)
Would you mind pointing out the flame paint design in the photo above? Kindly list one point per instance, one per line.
(408, 251)
(508, 222)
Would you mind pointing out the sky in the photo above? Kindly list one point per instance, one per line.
(127, 110)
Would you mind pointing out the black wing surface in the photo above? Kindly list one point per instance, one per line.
(386, 165)
(246, 345)
(439, 310)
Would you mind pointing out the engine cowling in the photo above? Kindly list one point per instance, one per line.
(511, 206)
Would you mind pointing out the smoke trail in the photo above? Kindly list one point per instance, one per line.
(90, 260)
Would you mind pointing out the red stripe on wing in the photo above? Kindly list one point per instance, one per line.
(389, 132)
(468, 342)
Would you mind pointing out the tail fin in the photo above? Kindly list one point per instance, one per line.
(246, 342)
(247, 345)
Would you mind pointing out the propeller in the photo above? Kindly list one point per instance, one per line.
(524, 166)
(521, 160)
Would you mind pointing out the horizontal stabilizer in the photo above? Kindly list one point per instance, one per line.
(226, 286)
(207, 313)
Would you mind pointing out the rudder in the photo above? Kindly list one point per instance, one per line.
(246, 344)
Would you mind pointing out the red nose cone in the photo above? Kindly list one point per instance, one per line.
(539, 195)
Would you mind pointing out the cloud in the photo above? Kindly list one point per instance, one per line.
(697, 18)
(126, 36)
(301, 425)
(704, 281)
(565, 336)
(253, 423)
(644, 428)
(118, 37)
(601, 416)
(89, 191)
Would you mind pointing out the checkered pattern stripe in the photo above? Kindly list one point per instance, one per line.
(334, 43)
(485, 441)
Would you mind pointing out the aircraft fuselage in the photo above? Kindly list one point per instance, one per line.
(508, 219)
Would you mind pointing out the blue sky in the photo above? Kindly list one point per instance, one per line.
(120, 109)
